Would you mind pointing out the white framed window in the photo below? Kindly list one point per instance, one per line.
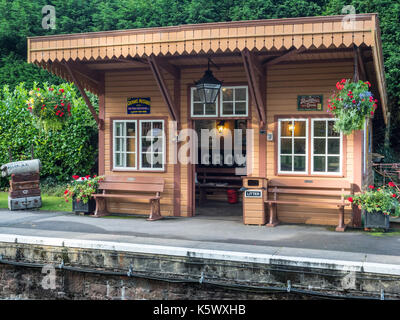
(138, 141)
(152, 145)
(326, 149)
(125, 144)
(292, 146)
(200, 109)
(234, 101)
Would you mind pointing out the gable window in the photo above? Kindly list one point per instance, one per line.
(292, 146)
(200, 109)
(234, 101)
(138, 145)
(326, 147)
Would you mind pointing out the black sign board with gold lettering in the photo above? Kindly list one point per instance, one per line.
(309, 103)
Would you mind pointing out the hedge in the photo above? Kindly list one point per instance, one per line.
(69, 151)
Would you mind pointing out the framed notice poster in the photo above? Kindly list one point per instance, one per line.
(138, 106)
(309, 103)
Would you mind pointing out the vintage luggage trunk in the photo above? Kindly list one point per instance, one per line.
(24, 193)
(15, 186)
(24, 203)
(25, 177)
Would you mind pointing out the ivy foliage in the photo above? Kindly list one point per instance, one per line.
(63, 153)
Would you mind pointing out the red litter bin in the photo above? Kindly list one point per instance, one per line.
(232, 196)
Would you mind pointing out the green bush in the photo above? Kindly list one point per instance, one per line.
(69, 151)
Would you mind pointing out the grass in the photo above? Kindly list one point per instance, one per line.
(49, 202)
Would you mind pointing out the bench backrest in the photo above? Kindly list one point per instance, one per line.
(142, 184)
(310, 187)
(205, 175)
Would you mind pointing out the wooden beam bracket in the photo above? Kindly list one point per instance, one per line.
(252, 70)
(100, 122)
(171, 104)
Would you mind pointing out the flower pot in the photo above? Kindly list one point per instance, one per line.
(88, 207)
(376, 220)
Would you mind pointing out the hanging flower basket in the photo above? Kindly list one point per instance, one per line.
(51, 107)
(351, 105)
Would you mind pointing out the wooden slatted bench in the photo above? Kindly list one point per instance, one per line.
(133, 188)
(336, 189)
(213, 178)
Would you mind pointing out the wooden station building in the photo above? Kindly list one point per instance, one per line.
(277, 76)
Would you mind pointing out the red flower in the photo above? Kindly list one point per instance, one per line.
(391, 184)
(394, 195)
(38, 89)
(372, 113)
(61, 90)
(66, 191)
(354, 101)
(82, 178)
(75, 177)
(94, 176)
(350, 199)
(371, 187)
(62, 104)
(87, 177)
(343, 81)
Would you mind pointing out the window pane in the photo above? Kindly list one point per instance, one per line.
(319, 146)
(240, 108)
(157, 160)
(130, 144)
(331, 132)
(198, 108)
(299, 163)
(158, 144)
(227, 108)
(196, 96)
(131, 129)
(118, 128)
(146, 127)
(333, 146)
(286, 163)
(299, 128)
(211, 109)
(131, 160)
(285, 132)
(286, 146)
(227, 94)
(240, 94)
(333, 164)
(319, 128)
(157, 129)
(319, 163)
(146, 160)
(300, 146)
(119, 144)
(118, 160)
(146, 144)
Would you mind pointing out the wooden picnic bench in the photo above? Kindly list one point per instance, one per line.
(335, 190)
(132, 188)
(216, 179)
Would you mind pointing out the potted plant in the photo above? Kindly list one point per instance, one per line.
(351, 105)
(50, 106)
(378, 204)
(81, 191)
